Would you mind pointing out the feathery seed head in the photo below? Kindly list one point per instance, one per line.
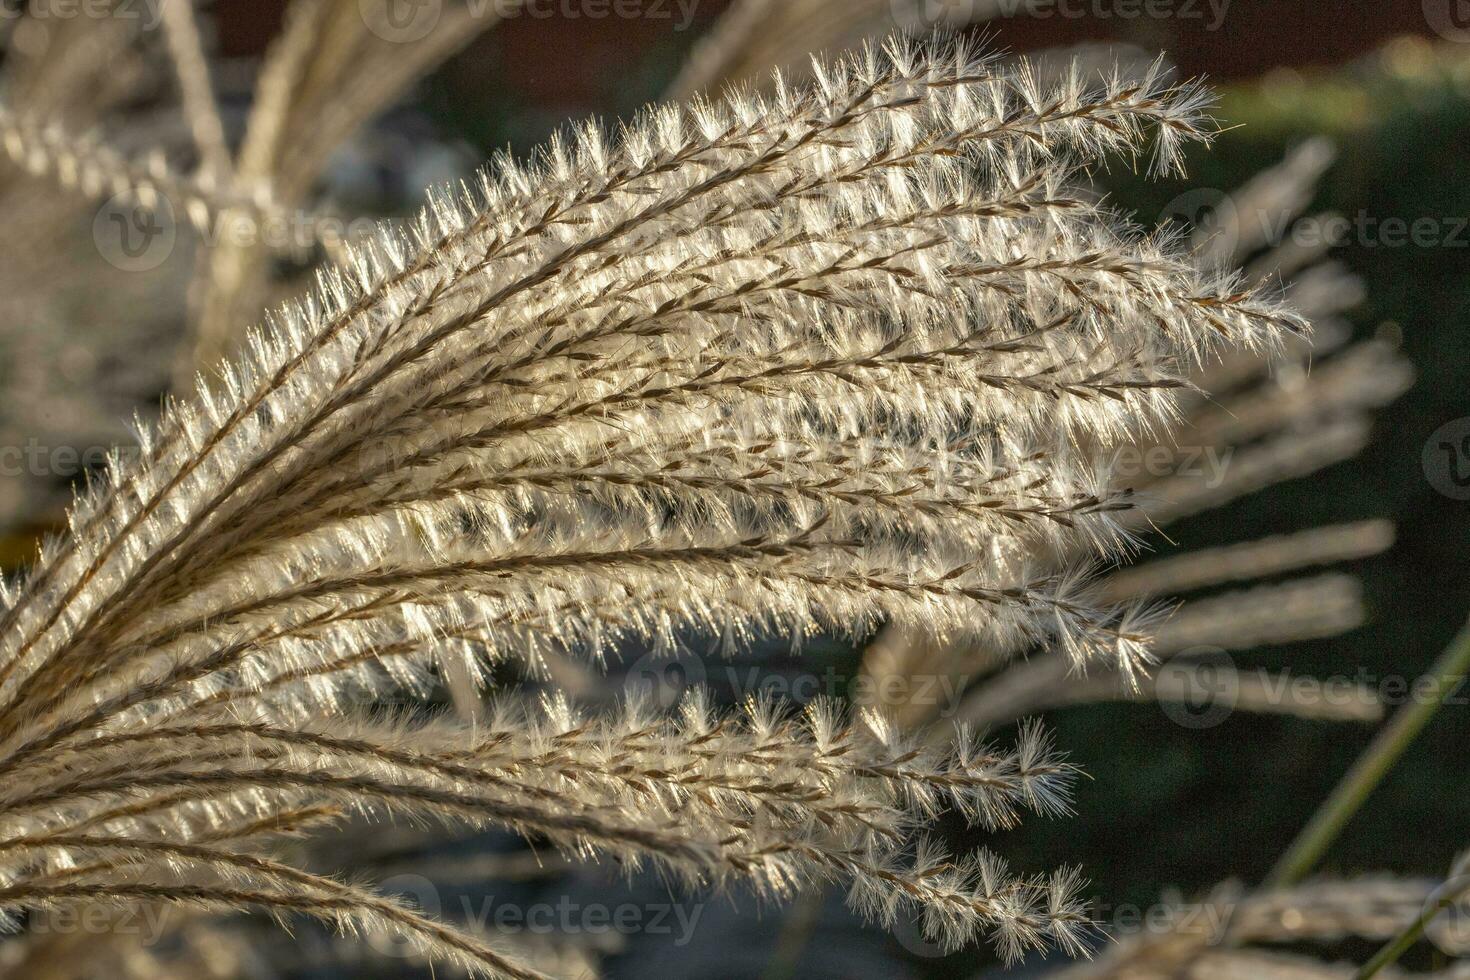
(800, 363)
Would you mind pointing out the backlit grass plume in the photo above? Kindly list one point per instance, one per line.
(792, 365)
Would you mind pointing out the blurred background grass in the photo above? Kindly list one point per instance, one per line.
(1193, 808)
